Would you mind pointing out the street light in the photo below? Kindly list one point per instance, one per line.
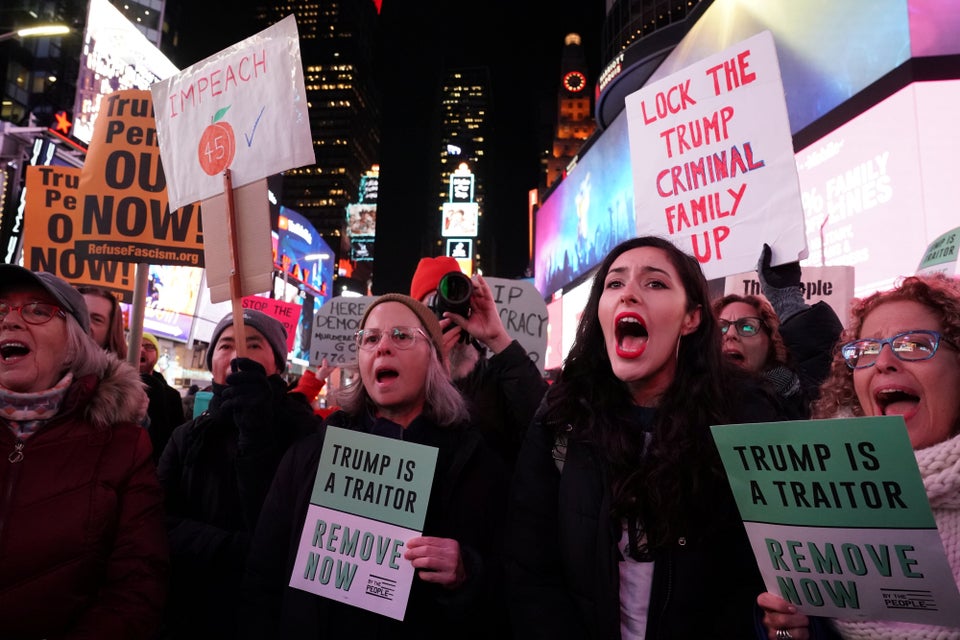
(36, 32)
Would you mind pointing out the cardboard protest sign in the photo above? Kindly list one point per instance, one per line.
(524, 315)
(286, 313)
(242, 109)
(333, 328)
(52, 218)
(833, 285)
(369, 498)
(125, 213)
(713, 162)
(839, 519)
(941, 254)
(251, 228)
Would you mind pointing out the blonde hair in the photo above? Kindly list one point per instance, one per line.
(444, 404)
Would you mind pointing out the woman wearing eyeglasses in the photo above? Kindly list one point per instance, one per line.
(899, 356)
(751, 339)
(83, 551)
(404, 392)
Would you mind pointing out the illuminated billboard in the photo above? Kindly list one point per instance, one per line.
(301, 254)
(115, 56)
(172, 296)
(588, 214)
(876, 201)
(361, 220)
(460, 219)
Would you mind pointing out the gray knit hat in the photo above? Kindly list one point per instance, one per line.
(427, 317)
(66, 296)
(271, 329)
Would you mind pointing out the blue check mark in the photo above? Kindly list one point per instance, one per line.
(249, 138)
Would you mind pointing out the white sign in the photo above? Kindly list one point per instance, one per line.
(524, 315)
(243, 109)
(334, 326)
(833, 285)
(713, 161)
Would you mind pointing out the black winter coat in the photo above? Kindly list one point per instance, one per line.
(562, 563)
(214, 489)
(467, 503)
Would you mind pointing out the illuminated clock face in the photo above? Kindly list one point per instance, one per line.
(574, 81)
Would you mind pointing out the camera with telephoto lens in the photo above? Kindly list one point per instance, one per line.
(453, 295)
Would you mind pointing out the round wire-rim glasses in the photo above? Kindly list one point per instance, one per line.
(400, 337)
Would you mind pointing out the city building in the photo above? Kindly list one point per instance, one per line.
(575, 123)
(336, 46)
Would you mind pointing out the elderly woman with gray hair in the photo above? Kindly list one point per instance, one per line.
(404, 393)
(83, 551)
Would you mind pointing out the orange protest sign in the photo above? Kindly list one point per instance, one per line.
(125, 215)
(51, 219)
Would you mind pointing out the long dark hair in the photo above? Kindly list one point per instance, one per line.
(681, 467)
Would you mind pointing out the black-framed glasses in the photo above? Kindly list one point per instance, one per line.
(400, 337)
(32, 312)
(909, 346)
(746, 327)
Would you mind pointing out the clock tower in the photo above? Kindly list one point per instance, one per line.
(575, 121)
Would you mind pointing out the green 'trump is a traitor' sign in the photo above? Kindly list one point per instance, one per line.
(369, 498)
(839, 519)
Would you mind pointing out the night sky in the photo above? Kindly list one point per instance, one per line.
(521, 43)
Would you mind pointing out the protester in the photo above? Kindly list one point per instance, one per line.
(503, 391)
(310, 384)
(621, 522)
(900, 356)
(809, 332)
(106, 319)
(166, 406)
(404, 393)
(82, 547)
(217, 468)
(751, 339)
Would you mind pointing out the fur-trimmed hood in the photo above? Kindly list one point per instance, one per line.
(116, 395)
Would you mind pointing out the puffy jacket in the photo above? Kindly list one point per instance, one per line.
(83, 550)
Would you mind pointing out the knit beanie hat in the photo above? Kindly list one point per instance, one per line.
(270, 328)
(66, 296)
(152, 339)
(428, 274)
(427, 318)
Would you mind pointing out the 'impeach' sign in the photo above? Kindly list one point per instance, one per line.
(839, 519)
(369, 498)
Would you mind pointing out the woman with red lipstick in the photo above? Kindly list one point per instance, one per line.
(621, 522)
(404, 393)
(900, 355)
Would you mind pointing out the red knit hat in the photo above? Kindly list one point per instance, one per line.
(428, 274)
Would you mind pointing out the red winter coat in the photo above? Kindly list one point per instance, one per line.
(83, 549)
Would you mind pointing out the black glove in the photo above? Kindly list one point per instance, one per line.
(249, 397)
(779, 277)
(781, 285)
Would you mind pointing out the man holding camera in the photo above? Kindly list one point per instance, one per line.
(503, 390)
